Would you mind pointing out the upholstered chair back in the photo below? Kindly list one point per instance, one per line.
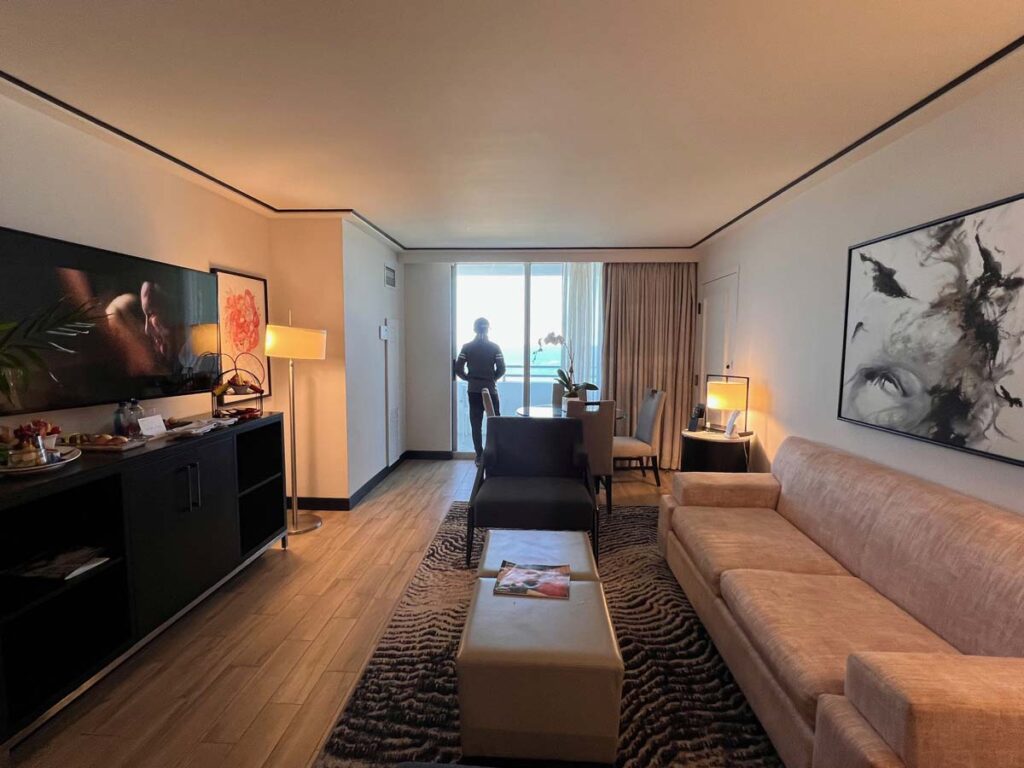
(648, 423)
(518, 447)
(598, 420)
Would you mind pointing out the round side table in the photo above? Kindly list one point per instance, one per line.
(714, 452)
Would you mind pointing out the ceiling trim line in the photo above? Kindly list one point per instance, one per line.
(129, 137)
(920, 104)
(941, 91)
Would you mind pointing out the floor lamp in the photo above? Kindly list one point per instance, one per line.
(291, 343)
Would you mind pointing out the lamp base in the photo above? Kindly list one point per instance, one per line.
(303, 522)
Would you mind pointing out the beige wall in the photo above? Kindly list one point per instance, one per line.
(61, 180)
(374, 391)
(965, 152)
(307, 279)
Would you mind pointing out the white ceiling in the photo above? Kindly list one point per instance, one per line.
(491, 123)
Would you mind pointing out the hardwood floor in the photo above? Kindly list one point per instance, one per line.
(257, 675)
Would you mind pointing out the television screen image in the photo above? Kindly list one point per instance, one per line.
(84, 326)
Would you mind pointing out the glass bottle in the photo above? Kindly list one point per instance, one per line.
(121, 419)
(135, 413)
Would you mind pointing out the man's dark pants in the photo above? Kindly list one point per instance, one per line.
(476, 417)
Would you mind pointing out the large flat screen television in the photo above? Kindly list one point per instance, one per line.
(85, 326)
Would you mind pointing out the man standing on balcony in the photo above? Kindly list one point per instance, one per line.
(485, 365)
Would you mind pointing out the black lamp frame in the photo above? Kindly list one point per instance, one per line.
(746, 403)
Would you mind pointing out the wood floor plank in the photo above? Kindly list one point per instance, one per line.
(170, 746)
(304, 676)
(260, 738)
(207, 755)
(301, 742)
(232, 724)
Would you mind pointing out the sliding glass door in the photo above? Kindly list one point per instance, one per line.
(497, 292)
(546, 313)
(524, 303)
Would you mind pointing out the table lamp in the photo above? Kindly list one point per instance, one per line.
(287, 341)
(729, 395)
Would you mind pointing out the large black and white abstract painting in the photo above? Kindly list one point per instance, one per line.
(934, 345)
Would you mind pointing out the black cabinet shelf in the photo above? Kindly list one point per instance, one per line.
(20, 594)
(176, 518)
(260, 484)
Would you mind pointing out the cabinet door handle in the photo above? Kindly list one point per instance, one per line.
(199, 486)
(188, 482)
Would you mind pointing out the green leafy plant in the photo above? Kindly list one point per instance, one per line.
(25, 344)
(565, 378)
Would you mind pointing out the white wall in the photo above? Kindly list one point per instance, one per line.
(428, 355)
(965, 152)
(307, 279)
(374, 400)
(61, 180)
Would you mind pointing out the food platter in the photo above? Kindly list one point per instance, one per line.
(67, 455)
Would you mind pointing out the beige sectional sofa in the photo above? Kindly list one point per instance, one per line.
(872, 619)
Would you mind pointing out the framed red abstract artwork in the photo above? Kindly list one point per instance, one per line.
(242, 325)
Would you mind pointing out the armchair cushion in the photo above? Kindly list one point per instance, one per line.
(726, 489)
(543, 503)
(936, 710)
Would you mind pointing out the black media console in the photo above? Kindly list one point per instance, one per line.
(175, 518)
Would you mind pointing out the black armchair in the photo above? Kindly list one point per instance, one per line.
(534, 475)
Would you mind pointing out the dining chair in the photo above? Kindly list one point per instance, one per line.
(488, 403)
(534, 475)
(643, 445)
(598, 419)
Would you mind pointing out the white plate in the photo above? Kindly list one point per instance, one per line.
(67, 455)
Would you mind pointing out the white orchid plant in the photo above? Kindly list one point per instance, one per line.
(565, 378)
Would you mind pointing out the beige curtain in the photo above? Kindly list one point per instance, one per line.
(649, 341)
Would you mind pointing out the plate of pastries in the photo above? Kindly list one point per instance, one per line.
(32, 448)
(101, 442)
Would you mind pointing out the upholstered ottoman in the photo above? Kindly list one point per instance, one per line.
(540, 678)
(538, 548)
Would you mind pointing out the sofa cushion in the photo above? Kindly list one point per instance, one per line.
(720, 539)
(804, 626)
(726, 489)
(544, 503)
(954, 563)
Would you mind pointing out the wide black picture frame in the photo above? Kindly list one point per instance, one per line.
(263, 284)
(1012, 268)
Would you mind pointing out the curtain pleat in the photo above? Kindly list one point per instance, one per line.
(649, 341)
(583, 318)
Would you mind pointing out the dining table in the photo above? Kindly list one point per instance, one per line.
(552, 412)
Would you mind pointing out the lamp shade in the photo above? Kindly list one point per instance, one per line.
(296, 343)
(727, 395)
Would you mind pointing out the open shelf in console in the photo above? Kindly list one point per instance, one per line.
(56, 632)
(261, 487)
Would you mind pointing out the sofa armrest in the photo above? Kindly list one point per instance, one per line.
(938, 710)
(726, 489)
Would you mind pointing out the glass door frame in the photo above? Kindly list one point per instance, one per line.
(527, 346)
